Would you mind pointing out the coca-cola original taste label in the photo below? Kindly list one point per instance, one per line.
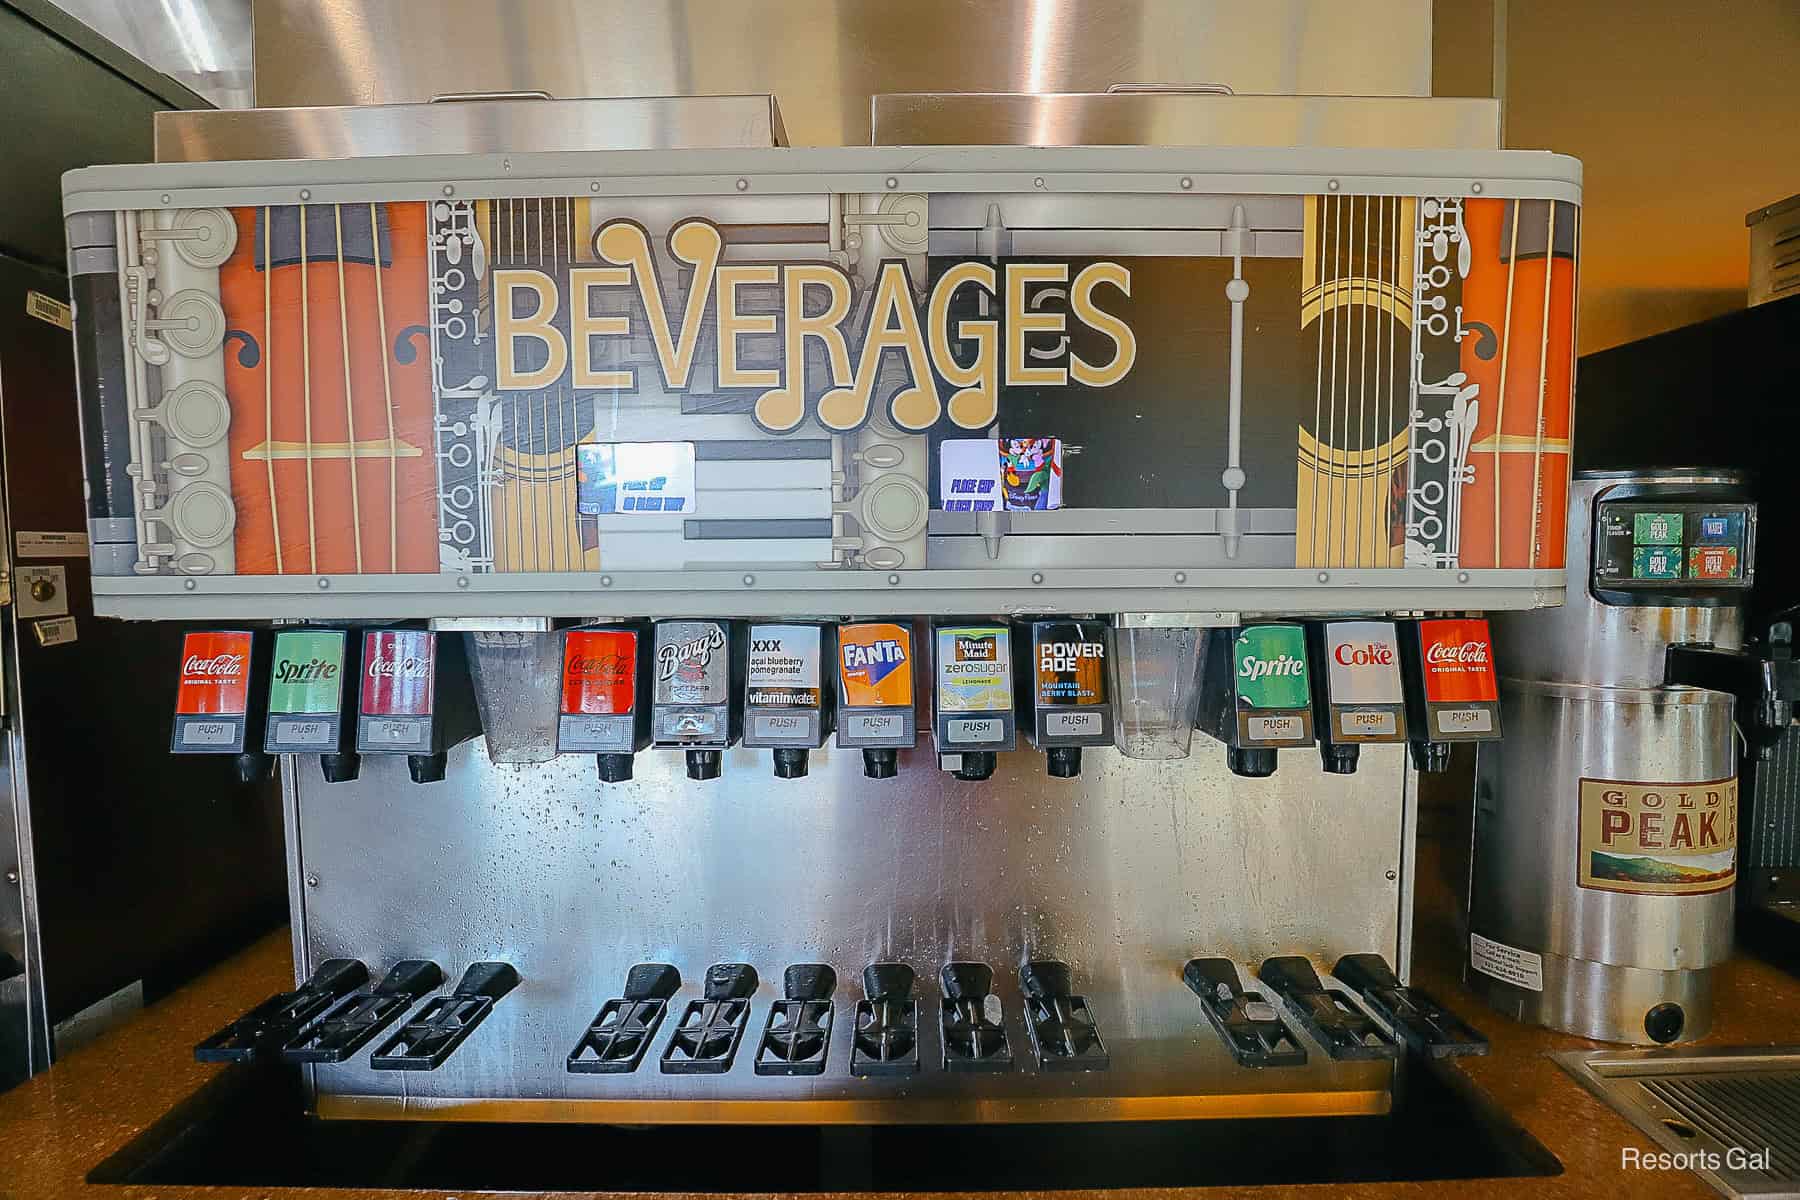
(215, 674)
(599, 671)
(1458, 657)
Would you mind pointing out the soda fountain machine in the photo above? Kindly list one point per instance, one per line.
(624, 434)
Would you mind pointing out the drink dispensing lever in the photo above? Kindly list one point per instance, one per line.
(1452, 690)
(416, 698)
(1256, 694)
(622, 1030)
(694, 707)
(433, 1035)
(796, 1038)
(1064, 683)
(310, 709)
(219, 699)
(885, 1040)
(787, 692)
(606, 697)
(267, 1026)
(355, 1020)
(875, 695)
(1358, 697)
(1427, 1027)
(973, 697)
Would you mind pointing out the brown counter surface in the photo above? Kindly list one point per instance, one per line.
(57, 1127)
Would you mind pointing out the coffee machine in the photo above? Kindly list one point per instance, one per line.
(822, 776)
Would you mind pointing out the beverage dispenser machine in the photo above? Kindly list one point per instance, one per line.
(885, 520)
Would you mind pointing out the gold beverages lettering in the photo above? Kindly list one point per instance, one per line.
(1029, 343)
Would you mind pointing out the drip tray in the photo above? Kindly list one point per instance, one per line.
(248, 1128)
(1733, 1114)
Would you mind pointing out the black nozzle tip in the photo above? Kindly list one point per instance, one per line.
(340, 768)
(790, 764)
(1433, 758)
(614, 768)
(703, 764)
(1251, 764)
(253, 767)
(427, 768)
(1065, 761)
(1338, 758)
(881, 764)
(977, 765)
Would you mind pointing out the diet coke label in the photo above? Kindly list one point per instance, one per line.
(1363, 662)
(215, 674)
(398, 672)
(1458, 659)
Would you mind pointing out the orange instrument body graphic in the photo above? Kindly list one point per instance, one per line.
(328, 375)
(1513, 507)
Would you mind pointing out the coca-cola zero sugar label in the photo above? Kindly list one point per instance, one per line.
(398, 672)
(398, 691)
(599, 692)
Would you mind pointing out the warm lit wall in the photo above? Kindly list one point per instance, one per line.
(1686, 114)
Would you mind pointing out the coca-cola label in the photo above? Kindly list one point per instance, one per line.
(308, 671)
(1362, 661)
(398, 672)
(1457, 656)
(693, 663)
(215, 674)
(599, 671)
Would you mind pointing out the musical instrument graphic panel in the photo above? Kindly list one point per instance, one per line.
(545, 383)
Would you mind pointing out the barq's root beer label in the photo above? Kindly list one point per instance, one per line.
(783, 670)
(398, 672)
(693, 663)
(215, 674)
(1658, 839)
(875, 667)
(599, 671)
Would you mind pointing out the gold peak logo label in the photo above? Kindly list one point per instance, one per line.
(817, 300)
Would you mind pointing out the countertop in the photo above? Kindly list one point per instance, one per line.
(54, 1129)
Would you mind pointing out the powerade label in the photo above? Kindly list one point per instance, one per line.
(974, 669)
(308, 671)
(692, 663)
(599, 671)
(1269, 662)
(215, 675)
(1362, 662)
(875, 667)
(1069, 659)
(398, 672)
(784, 667)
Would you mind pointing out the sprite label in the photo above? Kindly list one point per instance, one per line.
(1270, 665)
(308, 671)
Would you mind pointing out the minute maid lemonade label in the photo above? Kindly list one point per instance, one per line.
(875, 667)
(974, 669)
(1270, 663)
